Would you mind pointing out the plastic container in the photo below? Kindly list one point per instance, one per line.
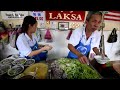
(99, 59)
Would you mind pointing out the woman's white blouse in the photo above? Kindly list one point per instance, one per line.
(24, 43)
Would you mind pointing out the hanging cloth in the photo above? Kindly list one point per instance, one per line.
(69, 34)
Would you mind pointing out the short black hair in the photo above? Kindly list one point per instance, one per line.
(90, 13)
(28, 20)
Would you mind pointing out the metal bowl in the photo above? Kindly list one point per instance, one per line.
(15, 70)
(29, 62)
(15, 56)
(7, 61)
(4, 69)
(19, 61)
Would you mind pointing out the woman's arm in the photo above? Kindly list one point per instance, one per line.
(40, 50)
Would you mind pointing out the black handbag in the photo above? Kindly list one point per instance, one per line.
(112, 37)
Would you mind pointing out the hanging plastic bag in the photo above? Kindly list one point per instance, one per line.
(48, 36)
(38, 35)
(69, 34)
(113, 36)
(12, 38)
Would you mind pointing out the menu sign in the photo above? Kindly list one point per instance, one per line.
(65, 15)
(39, 15)
(13, 14)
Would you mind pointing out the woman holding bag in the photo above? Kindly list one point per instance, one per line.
(27, 42)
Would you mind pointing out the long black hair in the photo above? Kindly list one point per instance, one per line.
(28, 20)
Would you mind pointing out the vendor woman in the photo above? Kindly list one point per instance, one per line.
(27, 42)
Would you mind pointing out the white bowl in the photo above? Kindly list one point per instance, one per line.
(99, 59)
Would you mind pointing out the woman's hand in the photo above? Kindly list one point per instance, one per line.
(47, 47)
(50, 47)
(41, 45)
(83, 59)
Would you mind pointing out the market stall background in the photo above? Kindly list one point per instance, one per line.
(60, 42)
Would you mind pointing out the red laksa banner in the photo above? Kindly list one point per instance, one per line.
(65, 15)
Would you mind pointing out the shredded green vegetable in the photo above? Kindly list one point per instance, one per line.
(75, 70)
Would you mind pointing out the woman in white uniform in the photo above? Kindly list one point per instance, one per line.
(85, 38)
(27, 42)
